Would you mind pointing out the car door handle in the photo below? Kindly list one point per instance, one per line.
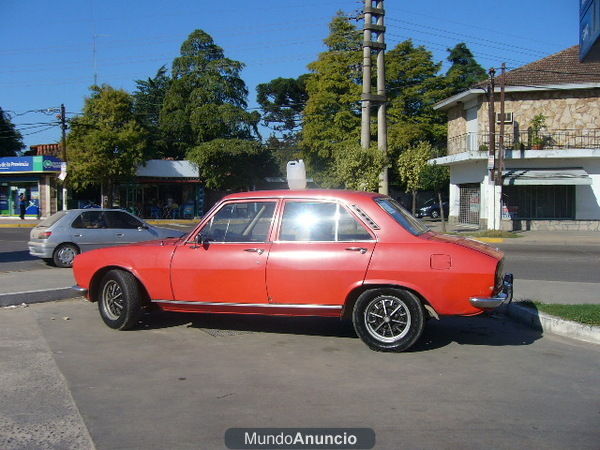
(362, 250)
(260, 251)
(119, 234)
(77, 235)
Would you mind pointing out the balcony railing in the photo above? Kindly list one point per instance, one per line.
(526, 140)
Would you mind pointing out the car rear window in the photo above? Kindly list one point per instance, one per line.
(48, 222)
(402, 216)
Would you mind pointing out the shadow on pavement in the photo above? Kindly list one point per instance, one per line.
(21, 255)
(489, 330)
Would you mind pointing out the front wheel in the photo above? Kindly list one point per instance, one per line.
(389, 320)
(435, 214)
(120, 300)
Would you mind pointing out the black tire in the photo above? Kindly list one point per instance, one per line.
(119, 300)
(435, 214)
(388, 330)
(64, 255)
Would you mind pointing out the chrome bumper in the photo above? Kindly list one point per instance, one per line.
(503, 296)
(79, 289)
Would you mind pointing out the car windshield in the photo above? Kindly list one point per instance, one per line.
(402, 216)
(52, 219)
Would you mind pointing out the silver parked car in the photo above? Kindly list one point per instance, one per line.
(60, 237)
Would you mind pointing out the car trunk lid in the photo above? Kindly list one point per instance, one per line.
(465, 242)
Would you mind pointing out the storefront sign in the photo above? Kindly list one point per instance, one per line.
(30, 164)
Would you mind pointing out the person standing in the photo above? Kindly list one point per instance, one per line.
(22, 205)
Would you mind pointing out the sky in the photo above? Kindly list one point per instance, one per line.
(52, 51)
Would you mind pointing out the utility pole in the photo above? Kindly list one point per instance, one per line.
(500, 165)
(374, 23)
(63, 127)
(492, 126)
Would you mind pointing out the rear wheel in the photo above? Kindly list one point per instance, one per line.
(435, 214)
(64, 255)
(120, 300)
(389, 320)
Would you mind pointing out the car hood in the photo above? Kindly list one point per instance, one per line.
(465, 242)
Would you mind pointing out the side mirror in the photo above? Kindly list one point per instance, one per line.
(142, 227)
(201, 239)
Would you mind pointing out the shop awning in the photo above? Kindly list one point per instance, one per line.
(570, 176)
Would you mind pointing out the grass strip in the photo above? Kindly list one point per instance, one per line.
(586, 314)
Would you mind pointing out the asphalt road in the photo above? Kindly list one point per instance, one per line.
(181, 380)
(528, 262)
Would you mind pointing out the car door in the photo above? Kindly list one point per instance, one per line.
(322, 251)
(89, 230)
(228, 265)
(126, 229)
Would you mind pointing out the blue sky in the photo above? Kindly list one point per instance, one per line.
(47, 57)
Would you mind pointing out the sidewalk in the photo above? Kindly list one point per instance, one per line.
(528, 237)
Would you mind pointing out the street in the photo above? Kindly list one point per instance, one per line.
(182, 380)
(571, 263)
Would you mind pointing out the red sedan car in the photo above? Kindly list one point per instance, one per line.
(328, 253)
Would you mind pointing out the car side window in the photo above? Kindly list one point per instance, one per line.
(240, 222)
(320, 222)
(120, 219)
(90, 220)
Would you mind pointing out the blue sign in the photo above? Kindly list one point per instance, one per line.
(30, 164)
(589, 28)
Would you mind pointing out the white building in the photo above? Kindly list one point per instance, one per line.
(552, 177)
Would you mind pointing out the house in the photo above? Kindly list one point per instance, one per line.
(551, 177)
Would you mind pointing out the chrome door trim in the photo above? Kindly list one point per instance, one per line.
(253, 305)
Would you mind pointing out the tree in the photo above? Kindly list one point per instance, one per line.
(358, 168)
(465, 71)
(436, 178)
(11, 140)
(414, 87)
(332, 114)
(412, 164)
(106, 144)
(148, 99)
(282, 101)
(206, 98)
(231, 164)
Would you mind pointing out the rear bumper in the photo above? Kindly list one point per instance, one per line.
(505, 295)
(41, 249)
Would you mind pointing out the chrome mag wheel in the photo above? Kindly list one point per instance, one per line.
(387, 318)
(113, 300)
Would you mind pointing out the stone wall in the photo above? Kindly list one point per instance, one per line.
(551, 225)
(575, 109)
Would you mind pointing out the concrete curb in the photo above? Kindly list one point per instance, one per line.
(39, 296)
(551, 324)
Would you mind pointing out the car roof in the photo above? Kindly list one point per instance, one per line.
(306, 194)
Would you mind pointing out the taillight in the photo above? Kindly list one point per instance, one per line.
(498, 277)
(44, 234)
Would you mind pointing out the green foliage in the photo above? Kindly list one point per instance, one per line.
(414, 88)
(282, 101)
(11, 140)
(435, 177)
(206, 98)
(283, 150)
(359, 168)
(232, 164)
(106, 143)
(147, 103)
(412, 166)
(465, 71)
(332, 112)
